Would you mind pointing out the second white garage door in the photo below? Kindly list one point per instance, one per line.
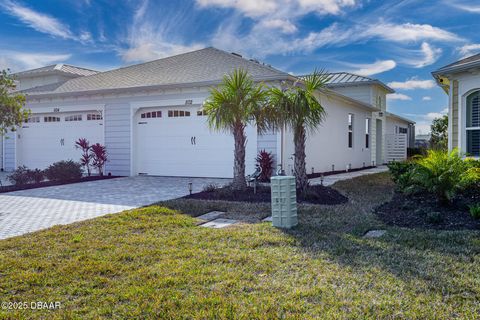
(47, 138)
(178, 142)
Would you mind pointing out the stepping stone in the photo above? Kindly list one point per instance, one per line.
(210, 215)
(375, 233)
(219, 223)
(268, 219)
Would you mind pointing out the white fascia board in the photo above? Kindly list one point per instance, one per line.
(167, 103)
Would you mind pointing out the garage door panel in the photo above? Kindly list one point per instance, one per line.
(42, 143)
(184, 146)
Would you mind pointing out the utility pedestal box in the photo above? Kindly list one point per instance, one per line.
(284, 201)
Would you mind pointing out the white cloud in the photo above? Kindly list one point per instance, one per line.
(427, 98)
(409, 32)
(18, 61)
(465, 6)
(85, 37)
(469, 50)
(426, 56)
(374, 68)
(284, 25)
(36, 20)
(398, 96)
(412, 84)
(147, 38)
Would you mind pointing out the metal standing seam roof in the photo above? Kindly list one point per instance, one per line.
(346, 79)
(57, 68)
(201, 66)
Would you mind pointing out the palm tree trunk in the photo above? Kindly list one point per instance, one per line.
(239, 182)
(301, 178)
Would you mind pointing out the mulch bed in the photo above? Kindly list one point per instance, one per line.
(315, 195)
(42, 184)
(421, 211)
(329, 173)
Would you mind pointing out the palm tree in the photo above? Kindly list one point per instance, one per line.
(235, 103)
(298, 108)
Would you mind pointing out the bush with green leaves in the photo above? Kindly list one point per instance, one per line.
(20, 176)
(36, 175)
(475, 211)
(64, 171)
(443, 174)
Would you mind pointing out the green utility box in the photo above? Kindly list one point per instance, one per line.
(284, 202)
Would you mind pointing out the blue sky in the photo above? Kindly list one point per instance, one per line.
(398, 42)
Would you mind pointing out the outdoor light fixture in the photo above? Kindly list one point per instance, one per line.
(333, 167)
(321, 179)
(373, 163)
(190, 187)
(364, 164)
(313, 170)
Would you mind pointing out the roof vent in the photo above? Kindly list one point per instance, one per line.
(237, 54)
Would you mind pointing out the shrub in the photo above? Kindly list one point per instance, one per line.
(475, 211)
(403, 174)
(211, 187)
(36, 175)
(99, 157)
(86, 157)
(20, 176)
(265, 161)
(441, 173)
(64, 171)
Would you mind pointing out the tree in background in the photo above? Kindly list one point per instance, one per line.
(12, 111)
(439, 138)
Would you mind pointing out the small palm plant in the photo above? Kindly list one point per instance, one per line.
(237, 102)
(86, 156)
(298, 107)
(99, 157)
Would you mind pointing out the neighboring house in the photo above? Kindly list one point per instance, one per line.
(422, 140)
(461, 81)
(150, 118)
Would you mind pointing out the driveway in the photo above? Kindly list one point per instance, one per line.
(35, 209)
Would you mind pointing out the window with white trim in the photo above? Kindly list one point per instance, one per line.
(94, 116)
(151, 114)
(473, 124)
(178, 113)
(350, 130)
(201, 113)
(367, 132)
(32, 120)
(51, 119)
(74, 117)
(402, 130)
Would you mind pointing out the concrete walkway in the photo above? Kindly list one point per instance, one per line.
(329, 180)
(3, 179)
(35, 209)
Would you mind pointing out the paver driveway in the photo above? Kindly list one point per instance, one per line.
(30, 210)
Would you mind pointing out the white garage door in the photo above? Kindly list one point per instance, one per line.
(177, 142)
(47, 138)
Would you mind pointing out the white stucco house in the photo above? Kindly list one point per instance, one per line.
(150, 118)
(461, 81)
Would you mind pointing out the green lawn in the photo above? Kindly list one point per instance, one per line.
(156, 263)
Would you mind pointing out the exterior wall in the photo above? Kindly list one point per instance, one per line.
(26, 83)
(10, 151)
(1, 152)
(268, 141)
(361, 92)
(117, 121)
(329, 144)
(463, 85)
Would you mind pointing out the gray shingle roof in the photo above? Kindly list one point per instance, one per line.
(346, 78)
(57, 68)
(201, 66)
(471, 61)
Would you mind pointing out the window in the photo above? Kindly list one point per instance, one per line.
(151, 114)
(473, 124)
(178, 113)
(402, 130)
(94, 116)
(367, 133)
(75, 117)
(350, 130)
(51, 119)
(201, 113)
(32, 120)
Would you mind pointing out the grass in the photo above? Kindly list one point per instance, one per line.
(156, 263)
